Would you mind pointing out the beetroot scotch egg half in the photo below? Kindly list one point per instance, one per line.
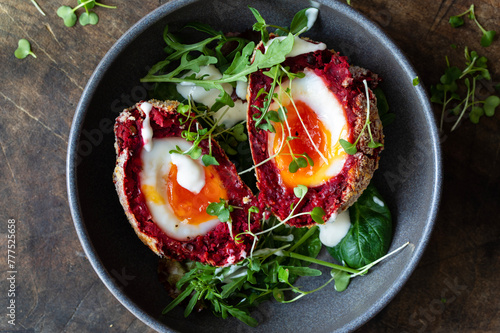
(165, 194)
(325, 102)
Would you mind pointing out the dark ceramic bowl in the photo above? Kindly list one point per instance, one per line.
(409, 176)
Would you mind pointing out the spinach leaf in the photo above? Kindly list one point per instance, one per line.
(370, 234)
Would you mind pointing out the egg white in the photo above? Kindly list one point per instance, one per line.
(155, 166)
(312, 90)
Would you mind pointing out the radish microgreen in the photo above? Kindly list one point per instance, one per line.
(23, 49)
(457, 21)
(69, 16)
(350, 148)
(448, 92)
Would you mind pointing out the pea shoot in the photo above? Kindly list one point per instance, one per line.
(69, 16)
(457, 21)
(23, 49)
(281, 255)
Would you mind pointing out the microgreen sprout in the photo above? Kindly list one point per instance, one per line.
(350, 148)
(447, 91)
(37, 7)
(222, 210)
(416, 81)
(23, 49)
(457, 21)
(69, 16)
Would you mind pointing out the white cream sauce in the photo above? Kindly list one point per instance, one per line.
(312, 15)
(300, 46)
(233, 115)
(378, 201)
(147, 131)
(190, 174)
(155, 169)
(332, 232)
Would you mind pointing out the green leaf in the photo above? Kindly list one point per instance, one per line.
(88, 4)
(191, 304)
(283, 275)
(301, 162)
(302, 271)
(373, 144)
(456, 21)
(224, 216)
(209, 160)
(23, 49)
(194, 152)
(88, 18)
(387, 118)
(239, 132)
(241, 315)
(68, 15)
(215, 208)
(382, 104)
(278, 295)
(232, 286)
(276, 52)
(253, 209)
(349, 148)
(370, 234)
(299, 21)
(260, 25)
(416, 81)
(475, 114)
(293, 167)
(487, 38)
(317, 215)
(490, 104)
(300, 191)
(341, 278)
(240, 61)
(309, 159)
(179, 299)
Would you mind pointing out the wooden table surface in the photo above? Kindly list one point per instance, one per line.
(456, 287)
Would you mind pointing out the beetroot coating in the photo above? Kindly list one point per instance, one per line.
(216, 247)
(340, 191)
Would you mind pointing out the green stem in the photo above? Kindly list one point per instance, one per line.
(320, 262)
(308, 234)
(442, 111)
(82, 5)
(105, 6)
(37, 7)
(304, 293)
(469, 93)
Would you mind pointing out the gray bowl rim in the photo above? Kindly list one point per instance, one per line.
(97, 76)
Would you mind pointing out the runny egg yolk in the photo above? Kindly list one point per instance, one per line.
(319, 139)
(189, 207)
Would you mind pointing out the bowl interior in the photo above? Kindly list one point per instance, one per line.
(409, 176)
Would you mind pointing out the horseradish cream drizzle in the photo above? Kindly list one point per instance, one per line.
(332, 232)
(147, 131)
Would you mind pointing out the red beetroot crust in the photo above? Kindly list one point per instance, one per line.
(216, 247)
(342, 190)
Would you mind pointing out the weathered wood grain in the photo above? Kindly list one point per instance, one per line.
(456, 285)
